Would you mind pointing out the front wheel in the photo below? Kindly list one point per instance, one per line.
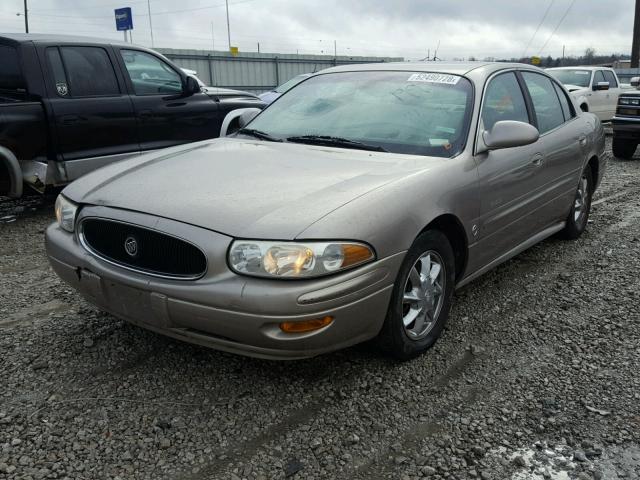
(421, 297)
(579, 214)
(623, 148)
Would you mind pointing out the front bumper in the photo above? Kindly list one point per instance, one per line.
(626, 127)
(224, 310)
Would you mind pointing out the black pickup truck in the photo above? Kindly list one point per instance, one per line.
(626, 124)
(69, 105)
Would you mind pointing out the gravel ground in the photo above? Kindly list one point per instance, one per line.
(536, 377)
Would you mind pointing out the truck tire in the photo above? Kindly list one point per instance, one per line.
(624, 148)
(10, 174)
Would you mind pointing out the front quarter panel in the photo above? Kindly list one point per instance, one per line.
(390, 217)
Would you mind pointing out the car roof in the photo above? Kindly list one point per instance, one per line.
(17, 38)
(453, 68)
(579, 67)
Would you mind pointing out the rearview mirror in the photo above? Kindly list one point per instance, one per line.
(508, 134)
(635, 81)
(191, 86)
(237, 119)
(601, 86)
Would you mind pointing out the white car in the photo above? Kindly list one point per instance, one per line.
(594, 89)
(217, 91)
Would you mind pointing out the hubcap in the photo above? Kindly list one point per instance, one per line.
(423, 295)
(581, 202)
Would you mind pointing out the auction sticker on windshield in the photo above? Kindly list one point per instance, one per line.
(434, 78)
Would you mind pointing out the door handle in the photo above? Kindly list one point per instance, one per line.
(145, 114)
(583, 140)
(537, 159)
(70, 119)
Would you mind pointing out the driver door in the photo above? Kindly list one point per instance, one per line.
(165, 116)
(509, 179)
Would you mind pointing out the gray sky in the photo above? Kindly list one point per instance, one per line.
(407, 28)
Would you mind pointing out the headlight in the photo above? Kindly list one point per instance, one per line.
(66, 213)
(296, 260)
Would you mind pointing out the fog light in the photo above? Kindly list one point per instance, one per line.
(306, 325)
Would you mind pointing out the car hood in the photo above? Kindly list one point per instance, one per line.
(243, 188)
(576, 88)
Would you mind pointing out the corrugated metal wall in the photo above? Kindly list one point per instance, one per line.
(626, 74)
(256, 72)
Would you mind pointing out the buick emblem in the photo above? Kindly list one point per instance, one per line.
(131, 246)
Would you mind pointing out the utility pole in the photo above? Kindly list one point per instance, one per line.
(150, 23)
(258, 47)
(635, 46)
(335, 48)
(228, 27)
(213, 40)
(26, 18)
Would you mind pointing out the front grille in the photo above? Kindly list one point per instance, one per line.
(143, 250)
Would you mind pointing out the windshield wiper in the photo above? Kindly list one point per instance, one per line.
(258, 134)
(334, 142)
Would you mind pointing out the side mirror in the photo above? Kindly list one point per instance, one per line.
(237, 119)
(601, 86)
(508, 134)
(635, 82)
(191, 87)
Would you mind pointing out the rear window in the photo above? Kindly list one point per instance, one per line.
(89, 72)
(10, 72)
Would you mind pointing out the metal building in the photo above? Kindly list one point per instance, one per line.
(256, 72)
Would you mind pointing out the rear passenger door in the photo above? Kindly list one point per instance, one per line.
(165, 116)
(92, 111)
(563, 143)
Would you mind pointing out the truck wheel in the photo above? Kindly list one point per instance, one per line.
(421, 297)
(5, 181)
(581, 207)
(624, 148)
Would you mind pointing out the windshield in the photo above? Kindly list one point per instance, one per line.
(400, 112)
(286, 86)
(579, 78)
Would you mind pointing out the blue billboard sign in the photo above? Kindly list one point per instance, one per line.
(124, 19)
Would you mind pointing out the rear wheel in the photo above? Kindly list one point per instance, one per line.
(624, 148)
(421, 297)
(579, 214)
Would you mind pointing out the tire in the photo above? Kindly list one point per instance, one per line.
(581, 207)
(624, 148)
(413, 296)
(584, 107)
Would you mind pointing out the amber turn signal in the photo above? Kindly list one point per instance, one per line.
(306, 325)
(356, 254)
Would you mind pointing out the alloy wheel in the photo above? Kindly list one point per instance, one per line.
(423, 295)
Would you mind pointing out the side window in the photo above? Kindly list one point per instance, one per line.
(503, 100)
(150, 75)
(611, 78)
(567, 109)
(57, 72)
(545, 101)
(11, 76)
(89, 72)
(598, 77)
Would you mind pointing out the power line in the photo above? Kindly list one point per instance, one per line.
(546, 12)
(557, 26)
